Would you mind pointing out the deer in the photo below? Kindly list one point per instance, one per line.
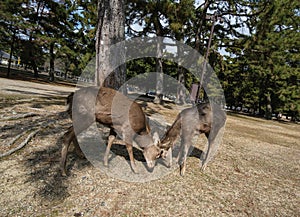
(123, 116)
(190, 122)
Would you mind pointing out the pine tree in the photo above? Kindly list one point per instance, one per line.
(110, 30)
(11, 22)
(266, 59)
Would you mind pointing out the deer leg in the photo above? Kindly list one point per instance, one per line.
(182, 162)
(204, 161)
(179, 156)
(132, 162)
(68, 137)
(170, 158)
(77, 148)
(111, 138)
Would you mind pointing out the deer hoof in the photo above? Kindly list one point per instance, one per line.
(182, 169)
(203, 167)
(105, 163)
(134, 169)
(105, 160)
(63, 173)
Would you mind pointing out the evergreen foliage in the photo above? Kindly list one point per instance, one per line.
(254, 51)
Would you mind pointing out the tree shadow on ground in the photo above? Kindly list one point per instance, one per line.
(196, 152)
(192, 152)
(14, 128)
(9, 101)
(117, 150)
(46, 174)
(25, 75)
(143, 99)
(32, 92)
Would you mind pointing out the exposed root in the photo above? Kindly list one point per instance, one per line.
(15, 139)
(19, 116)
(24, 143)
(44, 122)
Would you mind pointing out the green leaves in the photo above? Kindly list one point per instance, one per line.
(271, 57)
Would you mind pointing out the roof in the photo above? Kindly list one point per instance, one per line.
(5, 55)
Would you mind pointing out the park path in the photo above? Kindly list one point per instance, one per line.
(12, 87)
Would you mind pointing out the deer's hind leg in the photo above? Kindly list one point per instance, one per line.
(68, 137)
(111, 139)
(77, 148)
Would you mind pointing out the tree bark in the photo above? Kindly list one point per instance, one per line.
(11, 54)
(200, 25)
(52, 58)
(110, 30)
(159, 76)
(180, 99)
(159, 66)
(268, 107)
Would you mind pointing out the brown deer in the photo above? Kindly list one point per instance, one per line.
(190, 122)
(123, 116)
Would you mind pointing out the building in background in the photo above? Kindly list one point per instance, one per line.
(4, 59)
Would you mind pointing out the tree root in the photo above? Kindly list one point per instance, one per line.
(15, 139)
(19, 116)
(44, 122)
(24, 143)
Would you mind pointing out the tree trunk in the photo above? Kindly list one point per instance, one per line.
(180, 99)
(34, 66)
(200, 25)
(110, 30)
(11, 54)
(52, 58)
(268, 107)
(159, 76)
(159, 66)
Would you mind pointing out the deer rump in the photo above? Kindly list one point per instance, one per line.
(189, 123)
(123, 116)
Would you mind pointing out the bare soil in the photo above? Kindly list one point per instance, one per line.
(255, 172)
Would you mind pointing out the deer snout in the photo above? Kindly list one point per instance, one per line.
(151, 153)
(150, 164)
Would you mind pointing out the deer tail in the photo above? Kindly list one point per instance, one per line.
(70, 103)
(148, 130)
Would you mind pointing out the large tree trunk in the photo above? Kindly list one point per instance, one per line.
(159, 66)
(110, 30)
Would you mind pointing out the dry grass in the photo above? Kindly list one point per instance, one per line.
(255, 173)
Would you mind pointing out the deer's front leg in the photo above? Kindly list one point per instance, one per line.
(169, 158)
(185, 146)
(132, 162)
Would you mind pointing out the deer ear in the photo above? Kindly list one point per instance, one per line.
(156, 138)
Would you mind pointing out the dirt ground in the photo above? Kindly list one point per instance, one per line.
(255, 172)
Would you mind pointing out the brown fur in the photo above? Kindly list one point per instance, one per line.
(114, 110)
(190, 122)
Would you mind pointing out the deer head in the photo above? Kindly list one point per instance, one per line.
(152, 152)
